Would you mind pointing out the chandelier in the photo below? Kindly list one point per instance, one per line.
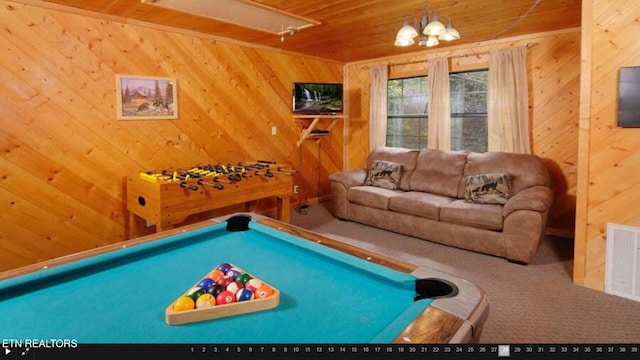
(430, 30)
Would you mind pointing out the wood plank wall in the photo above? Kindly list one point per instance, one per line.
(554, 86)
(608, 181)
(64, 157)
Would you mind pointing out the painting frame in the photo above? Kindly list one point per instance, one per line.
(146, 97)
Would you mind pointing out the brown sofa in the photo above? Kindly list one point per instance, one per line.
(437, 200)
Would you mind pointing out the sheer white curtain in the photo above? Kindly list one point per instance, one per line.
(378, 107)
(508, 101)
(439, 136)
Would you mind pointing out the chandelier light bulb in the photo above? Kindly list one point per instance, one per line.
(430, 26)
(432, 41)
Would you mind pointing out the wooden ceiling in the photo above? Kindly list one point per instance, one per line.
(356, 30)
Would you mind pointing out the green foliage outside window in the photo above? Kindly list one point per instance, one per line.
(407, 111)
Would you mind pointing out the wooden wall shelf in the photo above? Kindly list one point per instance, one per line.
(309, 124)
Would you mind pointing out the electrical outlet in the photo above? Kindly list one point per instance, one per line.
(296, 189)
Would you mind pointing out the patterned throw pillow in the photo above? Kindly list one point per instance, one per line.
(487, 188)
(384, 174)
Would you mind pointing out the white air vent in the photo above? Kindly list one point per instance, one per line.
(245, 13)
(622, 272)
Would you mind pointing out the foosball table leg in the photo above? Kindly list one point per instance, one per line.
(284, 208)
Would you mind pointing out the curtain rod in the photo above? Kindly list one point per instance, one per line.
(528, 45)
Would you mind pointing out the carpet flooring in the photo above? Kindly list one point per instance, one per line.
(535, 303)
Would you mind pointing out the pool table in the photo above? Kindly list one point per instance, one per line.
(329, 292)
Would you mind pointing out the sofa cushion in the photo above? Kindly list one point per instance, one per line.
(487, 188)
(524, 170)
(405, 157)
(438, 172)
(371, 196)
(384, 174)
(419, 203)
(485, 216)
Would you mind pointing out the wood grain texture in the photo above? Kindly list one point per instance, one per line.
(352, 30)
(609, 184)
(65, 158)
(554, 88)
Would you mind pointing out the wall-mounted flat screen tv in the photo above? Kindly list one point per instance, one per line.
(629, 97)
(317, 98)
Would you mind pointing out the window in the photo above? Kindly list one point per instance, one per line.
(407, 111)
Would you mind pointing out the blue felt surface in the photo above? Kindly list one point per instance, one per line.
(326, 296)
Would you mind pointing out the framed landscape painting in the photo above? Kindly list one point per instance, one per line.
(146, 97)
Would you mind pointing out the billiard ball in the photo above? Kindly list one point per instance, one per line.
(244, 295)
(224, 267)
(183, 303)
(206, 283)
(205, 301)
(253, 284)
(216, 275)
(195, 292)
(234, 286)
(264, 291)
(224, 281)
(225, 297)
(243, 278)
(232, 273)
(215, 290)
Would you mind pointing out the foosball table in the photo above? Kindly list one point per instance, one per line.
(167, 197)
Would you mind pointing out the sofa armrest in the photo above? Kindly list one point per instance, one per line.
(536, 198)
(349, 178)
(340, 184)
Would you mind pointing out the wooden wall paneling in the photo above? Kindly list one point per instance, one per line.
(359, 92)
(94, 161)
(609, 189)
(20, 207)
(586, 41)
(205, 133)
(252, 104)
(555, 75)
(60, 184)
(182, 139)
(280, 81)
(65, 155)
(14, 254)
(42, 134)
(197, 133)
(617, 163)
(122, 135)
(313, 160)
(319, 160)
